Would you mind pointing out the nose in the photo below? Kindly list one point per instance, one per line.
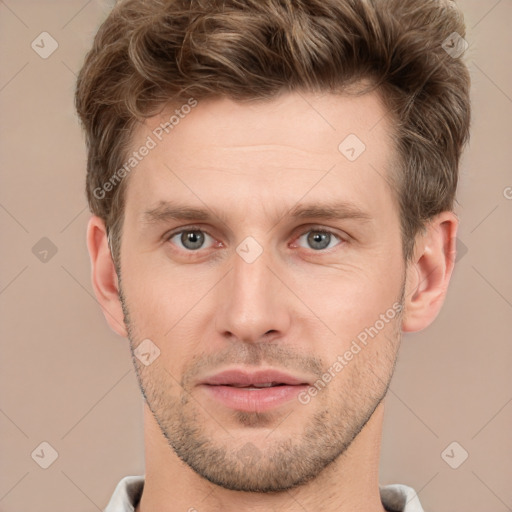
(252, 303)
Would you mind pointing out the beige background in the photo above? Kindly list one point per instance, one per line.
(68, 380)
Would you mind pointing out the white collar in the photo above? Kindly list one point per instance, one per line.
(395, 497)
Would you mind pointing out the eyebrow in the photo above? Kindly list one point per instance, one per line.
(166, 211)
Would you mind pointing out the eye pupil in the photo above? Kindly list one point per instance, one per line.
(192, 240)
(317, 237)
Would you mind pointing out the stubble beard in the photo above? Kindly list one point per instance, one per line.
(282, 462)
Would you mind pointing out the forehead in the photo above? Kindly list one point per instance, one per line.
(268, 153)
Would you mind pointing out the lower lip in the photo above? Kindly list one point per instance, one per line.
(253, 400)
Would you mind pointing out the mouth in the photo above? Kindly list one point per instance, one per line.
(253, 391)
(256, 386)
(260, 379)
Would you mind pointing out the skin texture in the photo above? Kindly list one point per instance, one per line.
(295, 308)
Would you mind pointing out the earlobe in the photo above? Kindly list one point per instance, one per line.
(104, 277)
(429, 273)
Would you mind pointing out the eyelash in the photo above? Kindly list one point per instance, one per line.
(168, 237)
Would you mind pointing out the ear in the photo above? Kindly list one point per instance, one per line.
(429, 272)
(104, 277)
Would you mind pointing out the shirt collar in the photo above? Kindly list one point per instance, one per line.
(395, 497)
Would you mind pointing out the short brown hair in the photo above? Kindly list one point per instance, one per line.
(148, 53)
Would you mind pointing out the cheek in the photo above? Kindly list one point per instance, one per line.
(350, 302)
(165, 306)
(363, 310)
(156, 291)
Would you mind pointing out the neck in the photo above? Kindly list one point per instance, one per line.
(349, 484)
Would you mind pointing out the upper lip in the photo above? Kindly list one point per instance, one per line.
(240, 377)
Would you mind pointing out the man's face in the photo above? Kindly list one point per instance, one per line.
(256, 289)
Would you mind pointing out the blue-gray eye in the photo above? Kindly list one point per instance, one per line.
(319, 239)
(191, 239)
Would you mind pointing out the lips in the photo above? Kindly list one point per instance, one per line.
(257, 391)
(258, 379)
